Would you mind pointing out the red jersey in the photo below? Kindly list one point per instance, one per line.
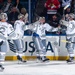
(52, 5)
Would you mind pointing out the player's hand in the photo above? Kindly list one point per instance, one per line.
(53, 6)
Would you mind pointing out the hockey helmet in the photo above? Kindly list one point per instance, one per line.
(72, 15)
(3, 16)
(20, 16)
(41, 18)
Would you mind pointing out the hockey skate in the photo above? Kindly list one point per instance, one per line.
(38, 59)
(1, 68)
(44, 59)
(70, 60)
(20, 59)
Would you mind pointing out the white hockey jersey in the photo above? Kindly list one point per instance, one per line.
(6, 29)
(18, 26)
(71, 28)
(40, 29)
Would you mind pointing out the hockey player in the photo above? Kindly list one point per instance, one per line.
(18, 26)
(71, 37)
(5, 30)
(39, 37)
(70, 32)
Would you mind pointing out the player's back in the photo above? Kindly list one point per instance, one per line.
(5, 28)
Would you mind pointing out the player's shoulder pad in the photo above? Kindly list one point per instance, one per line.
(17, 21)
(8, 24)
(46, 24)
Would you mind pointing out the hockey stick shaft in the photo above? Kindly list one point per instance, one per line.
(67, 41)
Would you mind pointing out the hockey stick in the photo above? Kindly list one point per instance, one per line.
(66, 6)
(65, 41)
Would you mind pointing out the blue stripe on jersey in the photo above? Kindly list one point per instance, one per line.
(35, 34)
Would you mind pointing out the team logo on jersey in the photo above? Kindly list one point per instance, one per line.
(2, 29)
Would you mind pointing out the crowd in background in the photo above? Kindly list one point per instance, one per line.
(13, 10)
(52, 10)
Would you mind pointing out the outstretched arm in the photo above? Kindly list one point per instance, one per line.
(50, 28)
(29, 27)
(63, 22)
